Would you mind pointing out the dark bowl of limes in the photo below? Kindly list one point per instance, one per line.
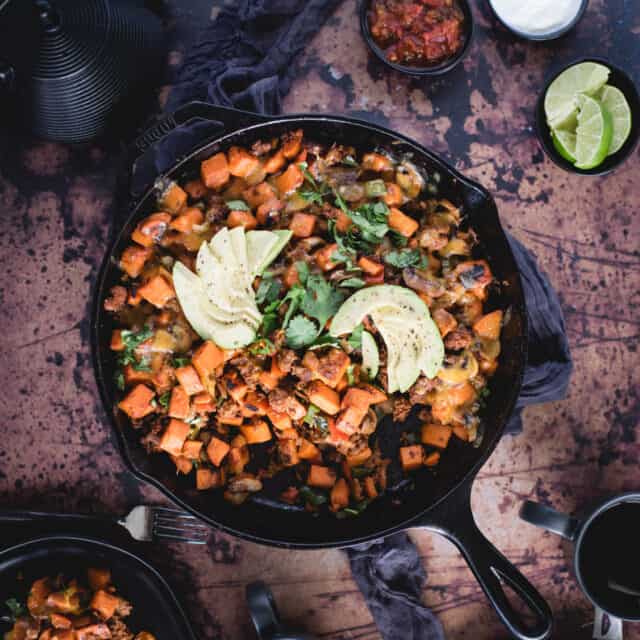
(588, 117)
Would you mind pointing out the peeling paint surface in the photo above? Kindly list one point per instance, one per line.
(56, 207)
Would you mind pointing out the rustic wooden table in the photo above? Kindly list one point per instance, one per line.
(57, 203)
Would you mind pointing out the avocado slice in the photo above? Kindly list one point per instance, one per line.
(263, 247)
(199, 311)
(413, 340)
(370, 355)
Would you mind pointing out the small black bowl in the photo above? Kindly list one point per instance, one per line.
(433, 70)
(551, 35)
(617, 78)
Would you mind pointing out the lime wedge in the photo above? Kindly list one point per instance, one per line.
(593, 135)
(616, 104)
(565, 143)
(560, 99)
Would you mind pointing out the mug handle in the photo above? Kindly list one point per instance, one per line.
(547, 518)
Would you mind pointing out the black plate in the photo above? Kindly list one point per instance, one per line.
(432, 70)
(155, 608)
(618, 78)
(438, 501)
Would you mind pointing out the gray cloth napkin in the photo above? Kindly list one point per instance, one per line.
(244, 60)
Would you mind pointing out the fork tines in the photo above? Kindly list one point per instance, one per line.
(173, 524)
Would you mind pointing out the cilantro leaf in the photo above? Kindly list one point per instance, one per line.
(164, 399)
(268, 290)
(119, 380)
(404, 258)
(355, 339)
(181, 362)
(353, 283)
(321, 300)
(304, 167)
(262, 347)
(303, 271)
(300, 332)
(313, 497)
(398, 239)
(325, 341)
(238, 205)
(17, 608)
(294, 297)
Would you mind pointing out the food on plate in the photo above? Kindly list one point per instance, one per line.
(417, 33)
(263, 350)
(57, 608)
(537, 17)
(589, 119)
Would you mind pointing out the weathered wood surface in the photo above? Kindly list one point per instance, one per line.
(56, 206)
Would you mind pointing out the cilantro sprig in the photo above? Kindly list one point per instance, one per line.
(405, 258)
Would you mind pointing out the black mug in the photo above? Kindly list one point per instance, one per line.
(606, 556)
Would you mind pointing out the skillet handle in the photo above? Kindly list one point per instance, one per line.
(227, 117)
(454, 520)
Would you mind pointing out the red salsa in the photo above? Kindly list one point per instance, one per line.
(417, 32)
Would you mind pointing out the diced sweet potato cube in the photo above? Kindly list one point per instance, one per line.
(488, 326)
(203, 403)
(174, 198)
(302, 224)
(436, 435)
(133, 259)
(217, 450)
(215, 171)
(356, 398)
(290, 180)
(292, 143)
(207, 479)
(256, 432)
(343, 221)
(179, 405)
(356, 459)
(411, 457)
(324, 397)
(445, 322)
(116, 341)
(258, 194)
(268, 210)
(191, 449)
(189, 218)
(243, 219)
(370, 487)
(157, 291)
(104, 604)
(280, 421)
(376, 162)
(134, 376)
(241, 162)
(236, 386)
(59, 621)
(370, 266)
(207, 358)
(189, 379)
(323, 257)
(137, 404)
(275, 162)
(402, 223)
(183, 464)
(98, 577)
(254, 404)
(89, 632)
(173, 438)
(321, 477)
(151, 229)
(350, 419)
(394, 196)
(339, 495)
(308, 451)
(375, 395)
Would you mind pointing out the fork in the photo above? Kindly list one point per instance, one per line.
(144, 523)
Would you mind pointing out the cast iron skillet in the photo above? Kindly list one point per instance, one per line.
(155, 608)
(441, 501)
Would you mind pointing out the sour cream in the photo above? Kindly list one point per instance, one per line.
(536, 17)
